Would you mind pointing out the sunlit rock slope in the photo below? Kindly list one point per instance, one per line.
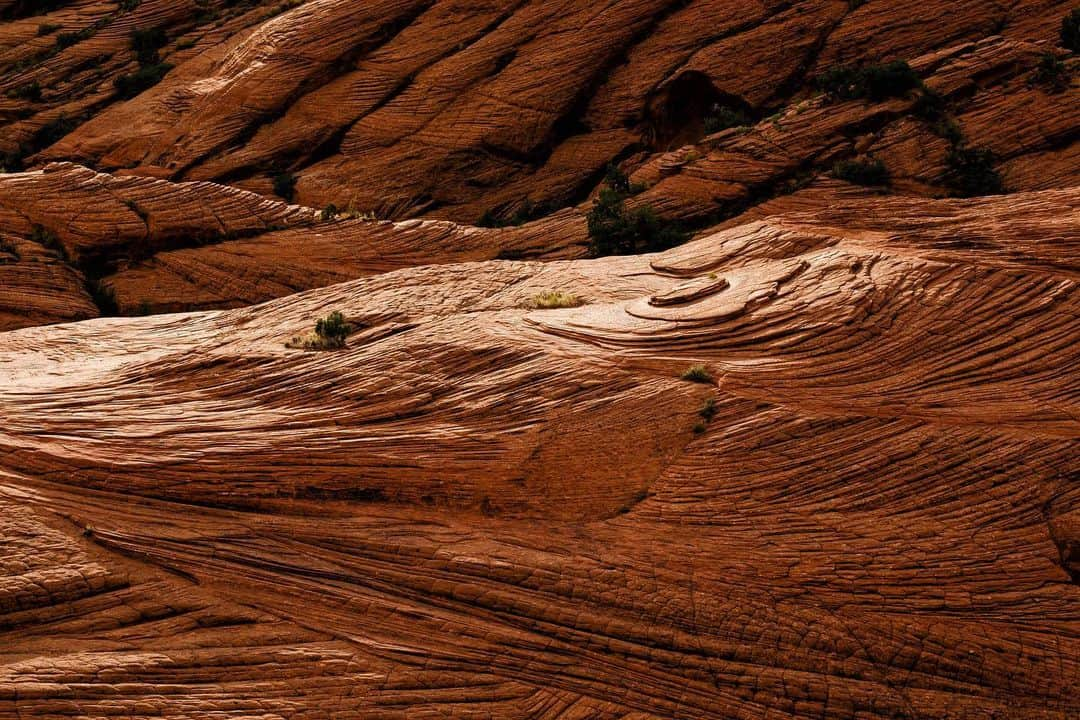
(870, 509)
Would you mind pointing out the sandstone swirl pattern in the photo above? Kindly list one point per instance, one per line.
(482, 510)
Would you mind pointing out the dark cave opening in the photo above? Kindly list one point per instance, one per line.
(677, 113)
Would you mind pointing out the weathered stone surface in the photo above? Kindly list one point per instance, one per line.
(450, 109)
(869, 508)
(477, 509)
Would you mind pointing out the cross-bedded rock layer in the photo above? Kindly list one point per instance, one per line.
(451, 109)
(479, 509)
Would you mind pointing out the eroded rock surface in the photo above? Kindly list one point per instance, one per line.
(450, 109)
(479, 509)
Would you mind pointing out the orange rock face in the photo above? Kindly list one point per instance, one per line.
(478, 508)
(820, 461)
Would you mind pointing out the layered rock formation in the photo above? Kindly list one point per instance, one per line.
(444, 110)
(451, 109)
(477, 509)
(821, 461)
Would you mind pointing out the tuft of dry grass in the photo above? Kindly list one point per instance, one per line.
(698, 374)
(314, 341)
(555, 299)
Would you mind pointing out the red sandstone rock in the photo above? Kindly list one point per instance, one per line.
(480, 508)
(410, 108)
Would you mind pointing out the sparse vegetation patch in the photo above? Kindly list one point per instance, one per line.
(721, 117)
(555, 299)
(869, 173)
(698, 374)
(1051, 73)
(1070, 31)
(971, 173)
(869, 82)
(615, 229)
(330, 334)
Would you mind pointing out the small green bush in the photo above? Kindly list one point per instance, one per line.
(330, 334)
(333, 327)
(66, 39)
(30, 91)
(721, 117)
(616, 230)
(870, 82)
(708, 410)
(1070, 31)
(330, 212)
(285, 185)
(971, 173)
(619, 181)
(870, 173)
(1051, 73)
(129, 85)
(146, 44)
(697, 374)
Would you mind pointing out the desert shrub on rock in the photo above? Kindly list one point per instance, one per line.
(869, 82)
(971, 173)
(1051, 73)
(697, 374)
(615, 229)
(870, 173)
(285, 185)
(330, 334)
(721, 117)
(1070, 31)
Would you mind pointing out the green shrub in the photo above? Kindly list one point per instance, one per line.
(1051, 73)
(697, 374)
(708, 410)
(721, 117)
(146, 44)
(616, 230)
(8, 252)
(948, 129)
(971, 173)
(333, 327)
(619, 181)
(66, 39)
(330, 334)
(285, 185)
(1070, 31)
(30, 91)
(129, 85)
(330, 212)
(870, 173)
(555, 299)
(870, 82)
